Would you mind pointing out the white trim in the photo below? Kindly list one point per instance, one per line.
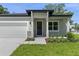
(47, 30)
(54, 30)
(36, 27)
(13, 21)
(32, 24)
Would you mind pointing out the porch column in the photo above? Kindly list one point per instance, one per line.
(32, 29)
(47, 31)
(68, 25)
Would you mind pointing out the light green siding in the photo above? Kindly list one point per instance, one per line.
(62, 27)
(43, 16)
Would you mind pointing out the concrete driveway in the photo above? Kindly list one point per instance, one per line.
(8, 45)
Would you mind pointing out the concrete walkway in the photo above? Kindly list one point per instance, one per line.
(8, 45)
(38, 40)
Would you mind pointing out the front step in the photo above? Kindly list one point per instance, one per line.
(38, 40)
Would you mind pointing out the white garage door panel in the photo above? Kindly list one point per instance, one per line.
(12, 31)
(13, 24)
(15, 18)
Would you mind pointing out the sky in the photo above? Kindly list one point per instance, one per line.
(22, 7)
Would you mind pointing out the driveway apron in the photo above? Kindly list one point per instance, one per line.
(8, 45)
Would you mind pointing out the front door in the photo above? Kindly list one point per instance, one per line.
(39, 28)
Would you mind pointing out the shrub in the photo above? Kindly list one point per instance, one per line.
(46, 39)
(56, 39)
(30, 39)
(71, 37)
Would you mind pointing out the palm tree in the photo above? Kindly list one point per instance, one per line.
(3, 10)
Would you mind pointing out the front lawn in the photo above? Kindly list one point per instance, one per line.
(76, 36)
(50, 49)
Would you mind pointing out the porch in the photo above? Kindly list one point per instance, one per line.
(40, 27)
(38, 40)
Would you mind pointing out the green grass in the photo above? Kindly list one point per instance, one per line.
(76, 36)
(50, 49)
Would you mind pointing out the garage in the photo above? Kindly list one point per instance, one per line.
(13, 32)
(13, 26)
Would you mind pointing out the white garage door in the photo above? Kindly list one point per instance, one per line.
(13, 29)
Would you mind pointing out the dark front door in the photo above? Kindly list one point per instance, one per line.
(39, 28)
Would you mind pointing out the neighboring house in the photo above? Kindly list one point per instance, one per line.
(72, 28)
(39, 23)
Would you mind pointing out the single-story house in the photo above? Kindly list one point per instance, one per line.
(35, 23)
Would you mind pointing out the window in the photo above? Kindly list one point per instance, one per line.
(53, 26)
(30, 23)
(50, 25)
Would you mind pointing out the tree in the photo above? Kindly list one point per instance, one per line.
(50, 7)
(55, 7)
(58, 8)
(3, 10)
(71, 22)
(76, 26)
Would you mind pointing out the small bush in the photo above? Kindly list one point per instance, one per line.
(56, 39)
(30, 39)
(71, 37)
(46, 40)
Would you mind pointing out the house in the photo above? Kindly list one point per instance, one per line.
(72, 28)
(43, 23)
(35, 23)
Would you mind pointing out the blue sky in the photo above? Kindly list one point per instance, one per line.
(21, 7)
